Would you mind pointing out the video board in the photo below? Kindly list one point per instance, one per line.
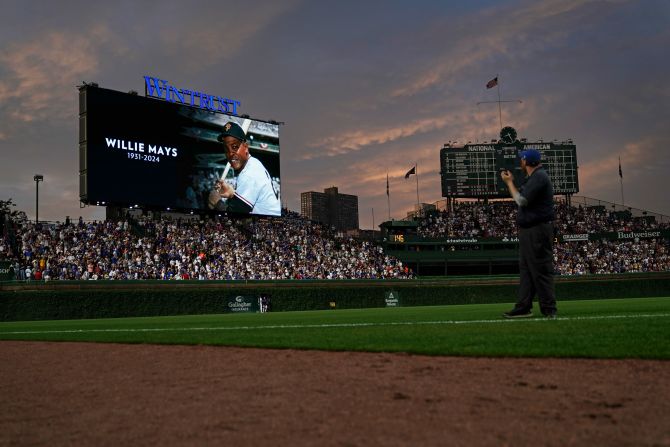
(148, 153)
(473, 170)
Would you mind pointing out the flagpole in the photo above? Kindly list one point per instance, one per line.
(373, 218)
(621, 181)
(418, 202)
(496, 82)
(499, 108)
(388, 194)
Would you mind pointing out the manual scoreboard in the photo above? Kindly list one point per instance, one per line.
(473, 170)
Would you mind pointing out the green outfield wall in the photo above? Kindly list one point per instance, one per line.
(110, 299)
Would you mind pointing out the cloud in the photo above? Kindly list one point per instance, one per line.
(358, 98)
(489, 37)
(451, 71)
(198, 46)
(364, 175)
(355, 140)
(635, 157)
(40, 74)
(463, 124)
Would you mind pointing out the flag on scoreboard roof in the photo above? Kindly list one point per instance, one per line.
(387, 184)
(492, 83)
(620, 173)
(410, 172)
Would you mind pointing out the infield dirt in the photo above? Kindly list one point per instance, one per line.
(111, 394)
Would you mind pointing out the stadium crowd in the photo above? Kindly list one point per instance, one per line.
(599, 257)
(295, 248)
(497, 219)
(470, 219)
(287, 248)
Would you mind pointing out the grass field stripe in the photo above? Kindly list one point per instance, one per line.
(335, 325)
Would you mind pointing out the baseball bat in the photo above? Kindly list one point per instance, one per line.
(225, 171)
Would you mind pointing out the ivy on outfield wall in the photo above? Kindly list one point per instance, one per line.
(66, 300)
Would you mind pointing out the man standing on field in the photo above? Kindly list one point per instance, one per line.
(535, 200)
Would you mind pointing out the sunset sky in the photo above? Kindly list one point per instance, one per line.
(363, 87)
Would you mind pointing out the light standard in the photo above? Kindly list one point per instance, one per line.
(38, 178)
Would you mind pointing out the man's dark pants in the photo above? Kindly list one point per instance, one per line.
(536, 268)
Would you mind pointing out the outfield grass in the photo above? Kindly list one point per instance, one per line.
(621, 328)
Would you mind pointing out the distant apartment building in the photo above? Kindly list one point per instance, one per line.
(330, 208)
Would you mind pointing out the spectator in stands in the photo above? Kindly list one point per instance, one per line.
(535, 200)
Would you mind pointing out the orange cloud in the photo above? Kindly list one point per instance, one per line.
(477, 124)
(41, 74)
(357, 139)
(600, 173)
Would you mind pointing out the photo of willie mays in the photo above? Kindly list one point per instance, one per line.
(254, 192)
(236, 170)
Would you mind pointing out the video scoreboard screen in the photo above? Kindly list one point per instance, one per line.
(473, 171)
(143, 152)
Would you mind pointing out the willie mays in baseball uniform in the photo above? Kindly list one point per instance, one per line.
(255, 193)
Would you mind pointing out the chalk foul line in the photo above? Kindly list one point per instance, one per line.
(335, 325)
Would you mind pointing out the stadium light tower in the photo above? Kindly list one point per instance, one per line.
(38, 178)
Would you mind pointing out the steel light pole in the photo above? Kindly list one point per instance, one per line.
(38, 178)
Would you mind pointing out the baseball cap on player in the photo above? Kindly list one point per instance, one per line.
(233, 130)
(532, 157)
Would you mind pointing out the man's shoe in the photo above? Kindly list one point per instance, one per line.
(516, 313)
